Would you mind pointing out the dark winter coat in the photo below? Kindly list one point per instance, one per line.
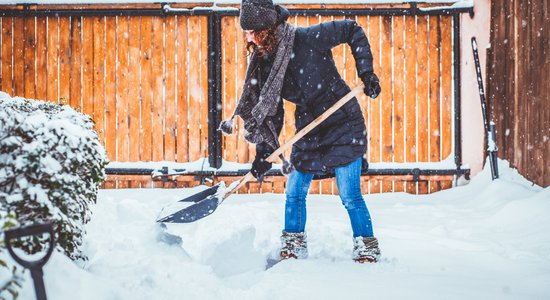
(313, 83)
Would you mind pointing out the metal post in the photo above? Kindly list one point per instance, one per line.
(457, 86)
(214, 90)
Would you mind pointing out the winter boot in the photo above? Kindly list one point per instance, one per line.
(365, 249)
(293, 245)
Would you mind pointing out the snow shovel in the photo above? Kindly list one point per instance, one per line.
(207, 201)
(35, 266)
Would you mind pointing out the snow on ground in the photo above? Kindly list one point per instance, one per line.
(485, 240)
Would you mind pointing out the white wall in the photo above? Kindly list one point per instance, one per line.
(472, 120)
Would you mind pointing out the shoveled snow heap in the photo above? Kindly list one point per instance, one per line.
(485, 240)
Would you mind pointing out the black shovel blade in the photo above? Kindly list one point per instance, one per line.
(194, 212)
(201, 195)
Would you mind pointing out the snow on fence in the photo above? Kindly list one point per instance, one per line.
(143, 76)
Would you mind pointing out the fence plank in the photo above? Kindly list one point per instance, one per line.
(110, 88)
(29, 44)
(410, 93)
(229, 42)
(99, 76)
(87, 66)
(170, 89)
(53, 57)
(399, 95)
(387, 97)
(134, 93)
(41, 58)
(146, 89)
(75, 87)
(194, 90)
(64, 59)
(204, 86)
(446, 136)
(243, 150)
(7, 50)
(18, 57)
(422, 91)
(434, 90)
(375, 105)
(122, 89)
(157, 81)
(182, 138)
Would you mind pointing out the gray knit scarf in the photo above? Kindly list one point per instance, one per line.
(258, 110)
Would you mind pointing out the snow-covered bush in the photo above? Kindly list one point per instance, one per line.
(51, 167)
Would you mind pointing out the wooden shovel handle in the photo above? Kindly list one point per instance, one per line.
(301, 134)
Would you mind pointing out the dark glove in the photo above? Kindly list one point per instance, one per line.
(372, 84)
(260, 166)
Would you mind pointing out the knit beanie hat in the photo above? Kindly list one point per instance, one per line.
(258, 14)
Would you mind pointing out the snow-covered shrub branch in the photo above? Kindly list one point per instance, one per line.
(51, 167)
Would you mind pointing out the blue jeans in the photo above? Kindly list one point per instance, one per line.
(348, 180)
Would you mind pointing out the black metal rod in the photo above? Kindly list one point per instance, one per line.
(214, 90)
(412, 11)
(276, 172)
(457, 87)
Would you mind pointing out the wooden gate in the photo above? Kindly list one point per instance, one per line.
(143, 75)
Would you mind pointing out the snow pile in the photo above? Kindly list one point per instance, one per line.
(484, 240)
(51, 166)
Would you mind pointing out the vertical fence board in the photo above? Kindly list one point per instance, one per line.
(122, 89)
(170, 90)
(194, 90)
(99, 76)
(146, 89)
(182, 86)
(446, 136)
(229, 96)
(375, 105)
(242, 147)
(434, 90)
(205, 56)
(29, 44)
(18, 57)
(422, 90)
(53, 57)
(87, 66)
(75, 87)
(134, 91)
(64, 59)
(110, 88)
(41, 58)
(157, 81)
(410, 90)
(387, 98)
(7, 52)
(374, 127)
(399, 60)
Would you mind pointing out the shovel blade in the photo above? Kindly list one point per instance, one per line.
(202, 195)
(194, 212)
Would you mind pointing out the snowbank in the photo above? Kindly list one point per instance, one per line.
(485, 240)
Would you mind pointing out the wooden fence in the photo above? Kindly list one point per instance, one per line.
(519, 85)
(144, 81)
